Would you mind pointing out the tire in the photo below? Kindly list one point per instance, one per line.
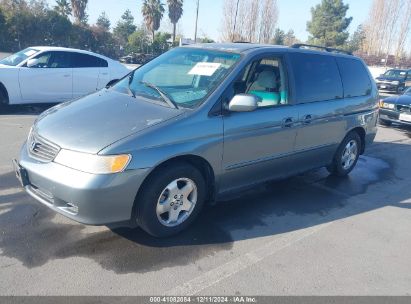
(385, 122)
(3, 98)
(162, 199)
(344, 163)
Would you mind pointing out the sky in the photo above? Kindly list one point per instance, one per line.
(293, 14)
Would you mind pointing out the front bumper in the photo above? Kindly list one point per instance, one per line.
(388, 87)
(86, 198)
(392, 116)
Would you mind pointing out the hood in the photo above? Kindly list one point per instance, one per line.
(390, 79)
(402, 99)
(94, 122)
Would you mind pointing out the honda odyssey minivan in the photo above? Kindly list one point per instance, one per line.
(197, 123)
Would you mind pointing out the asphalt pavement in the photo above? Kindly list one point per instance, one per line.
(308, 235)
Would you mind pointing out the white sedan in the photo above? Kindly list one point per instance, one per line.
(55, 74)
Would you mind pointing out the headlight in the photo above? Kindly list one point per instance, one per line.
(93, 163)
(396, 82)
(387, 105)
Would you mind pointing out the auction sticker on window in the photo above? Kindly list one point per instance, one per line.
(205, 68)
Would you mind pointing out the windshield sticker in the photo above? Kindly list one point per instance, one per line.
(30, 52)
(204, 68)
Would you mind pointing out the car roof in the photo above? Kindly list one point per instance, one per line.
(232, 47)
(57, 48)
(244, 47)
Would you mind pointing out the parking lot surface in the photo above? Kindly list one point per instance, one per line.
(309, 235)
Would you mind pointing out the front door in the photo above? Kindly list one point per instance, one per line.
(50, 80)
(259, 145)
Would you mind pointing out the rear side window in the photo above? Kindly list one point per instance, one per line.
(88, 61)
(355, 77)
(317, 77)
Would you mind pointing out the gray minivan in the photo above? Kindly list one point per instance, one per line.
(194, 124)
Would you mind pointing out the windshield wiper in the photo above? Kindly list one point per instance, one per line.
(167, 99)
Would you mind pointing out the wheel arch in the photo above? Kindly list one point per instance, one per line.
(198, 162)
(361, 132)
(3, 88)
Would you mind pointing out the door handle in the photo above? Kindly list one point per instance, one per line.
(288, 122)
(67, 75)
(307, 119)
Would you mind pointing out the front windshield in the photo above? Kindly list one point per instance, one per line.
(183, 75)
(19, 57)
(395, 73)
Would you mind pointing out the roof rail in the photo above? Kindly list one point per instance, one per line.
(326, 48)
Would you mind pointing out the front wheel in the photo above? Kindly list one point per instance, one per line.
(170, 199)
(346, 156)
(3, 99)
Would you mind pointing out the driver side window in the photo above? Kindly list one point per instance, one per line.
(264, 78)
(43, 60)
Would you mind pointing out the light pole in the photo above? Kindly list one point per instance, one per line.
(195, 32)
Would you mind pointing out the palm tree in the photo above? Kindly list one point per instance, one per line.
(153, 11)
(175, 10)
(63, 7)
(79, 10)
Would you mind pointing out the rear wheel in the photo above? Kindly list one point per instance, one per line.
(346, 156)
(170, 199)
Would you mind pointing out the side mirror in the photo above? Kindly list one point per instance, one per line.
(32, 62)
(244, 103)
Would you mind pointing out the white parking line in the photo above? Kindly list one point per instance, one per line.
(228, 269)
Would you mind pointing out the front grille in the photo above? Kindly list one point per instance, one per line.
(404, 108)
(41, 149)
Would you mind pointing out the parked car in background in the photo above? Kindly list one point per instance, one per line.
(55, 74)
(195, 124)
(396, 109)
(394, 80)
(137, 58)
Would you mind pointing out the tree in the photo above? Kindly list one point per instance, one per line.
(63, 8)
(254, 21)
(290, 38)
(279, 37)
(206, 40)
(268, 20)
(153, 11)
(160, 43)
(175, 11)
(137, 41)
(328, 25)
(404, 30)
(125, 27)
(388, 27)
(357, 40)
(79, 11)
(103, 22)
